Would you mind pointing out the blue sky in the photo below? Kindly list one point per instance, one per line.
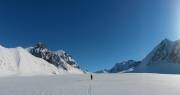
(98, 33)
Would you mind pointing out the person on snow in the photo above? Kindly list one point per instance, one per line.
(91, 77)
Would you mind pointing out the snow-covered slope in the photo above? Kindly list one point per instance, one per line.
(103, 84)
(62, 60)
(19, 61)
(164, 58)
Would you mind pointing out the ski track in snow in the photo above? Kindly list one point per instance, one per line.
(90, 90)
(103, 84)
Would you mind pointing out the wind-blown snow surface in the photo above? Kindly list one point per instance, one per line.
(103, 84)
(19, 61)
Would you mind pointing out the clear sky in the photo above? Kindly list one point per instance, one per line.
(98, 33)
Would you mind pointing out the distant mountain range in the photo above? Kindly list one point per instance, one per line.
(164, 58)
(125, 66)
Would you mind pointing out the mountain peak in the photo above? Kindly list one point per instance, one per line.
(40, 45)
(164, 58)
(59, 58)
(166, 41)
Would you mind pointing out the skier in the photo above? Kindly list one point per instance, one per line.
(91, 77)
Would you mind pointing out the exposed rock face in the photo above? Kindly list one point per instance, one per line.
(167, 50)
(125, 66)
(59, 58)
(175, 53)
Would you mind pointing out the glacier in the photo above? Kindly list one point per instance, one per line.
(103, 84)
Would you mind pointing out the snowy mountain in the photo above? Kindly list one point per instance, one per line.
(19, 61)
(164, 58)
(125, 66)
(62, 60)
(36, 61)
